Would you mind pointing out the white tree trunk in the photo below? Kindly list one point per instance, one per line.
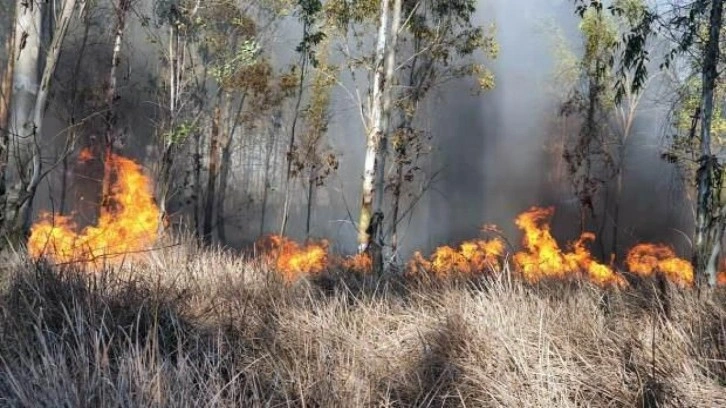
(375, 133)
(388, 96)
(28, 105)
(26, 49)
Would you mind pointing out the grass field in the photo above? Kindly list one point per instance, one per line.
(204, 328)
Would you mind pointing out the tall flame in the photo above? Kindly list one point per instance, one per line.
(542, 257)
(648, 259)
(127, 224)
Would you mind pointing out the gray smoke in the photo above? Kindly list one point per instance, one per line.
(489, 151)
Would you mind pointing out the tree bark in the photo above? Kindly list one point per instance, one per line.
(6, 95)
(71, 137)
(121, 10)
(705, 171)
(369, 219)
(225, 165)
(270, 151)
(213, 175)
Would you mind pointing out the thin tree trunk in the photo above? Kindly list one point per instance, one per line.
(627, 129)
(6, 95)
(71, 137)
(164, 182)
(197, 187)
(397, 189)
(225, 165)
(368, 221)
(291, 147)
(266, 189)
(704, 269)
(311, 195)
(121, 10)
(213, 171)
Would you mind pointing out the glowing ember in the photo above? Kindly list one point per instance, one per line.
(294, 260)
(648, 259)
(85, 155)
(543, 258)
(126, 225)
(472, 257)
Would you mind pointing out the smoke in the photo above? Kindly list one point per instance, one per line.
(490, 154)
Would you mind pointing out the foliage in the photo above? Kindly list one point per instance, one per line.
(311, 153)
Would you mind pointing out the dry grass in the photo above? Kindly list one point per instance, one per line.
(204, 328)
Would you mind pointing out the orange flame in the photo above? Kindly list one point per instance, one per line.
(543, 258)
(648, 259)
(360, 263)
(127, 225)
(472, 257)
(294, 260)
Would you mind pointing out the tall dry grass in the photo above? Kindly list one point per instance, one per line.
(203, 328)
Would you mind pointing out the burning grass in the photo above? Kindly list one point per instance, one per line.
(191, 327)
(128, 222)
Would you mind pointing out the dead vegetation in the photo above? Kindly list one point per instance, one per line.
(205, 328)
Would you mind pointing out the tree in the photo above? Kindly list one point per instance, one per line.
(309, 11)
(6, 89)
(596, 158)
(683, 24)
(440, 44)
(371, 213)
(28, 106)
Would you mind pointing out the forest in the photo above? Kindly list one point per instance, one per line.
(362, 203)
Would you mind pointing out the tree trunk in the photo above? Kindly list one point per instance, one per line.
(705, 171)
(163, 185)
(6, 95)
(226, 146)
(291, 147)
(270, 151)
(71, 137)
(28, 108)
(213, 172)
(311, 195)
(197, 187)
(121, 10)
(627, 122)
(401, 152)
(369, 220)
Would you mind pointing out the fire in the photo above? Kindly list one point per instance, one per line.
(542, 257)
(127, 224)
(472, 257)
(360, 263)
(648, 259)
(294, 260)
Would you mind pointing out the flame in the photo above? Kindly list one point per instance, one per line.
(648, 259)
(542, 257)
(294, 260)
(472, 257)
(360, 263)
(127, 224)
